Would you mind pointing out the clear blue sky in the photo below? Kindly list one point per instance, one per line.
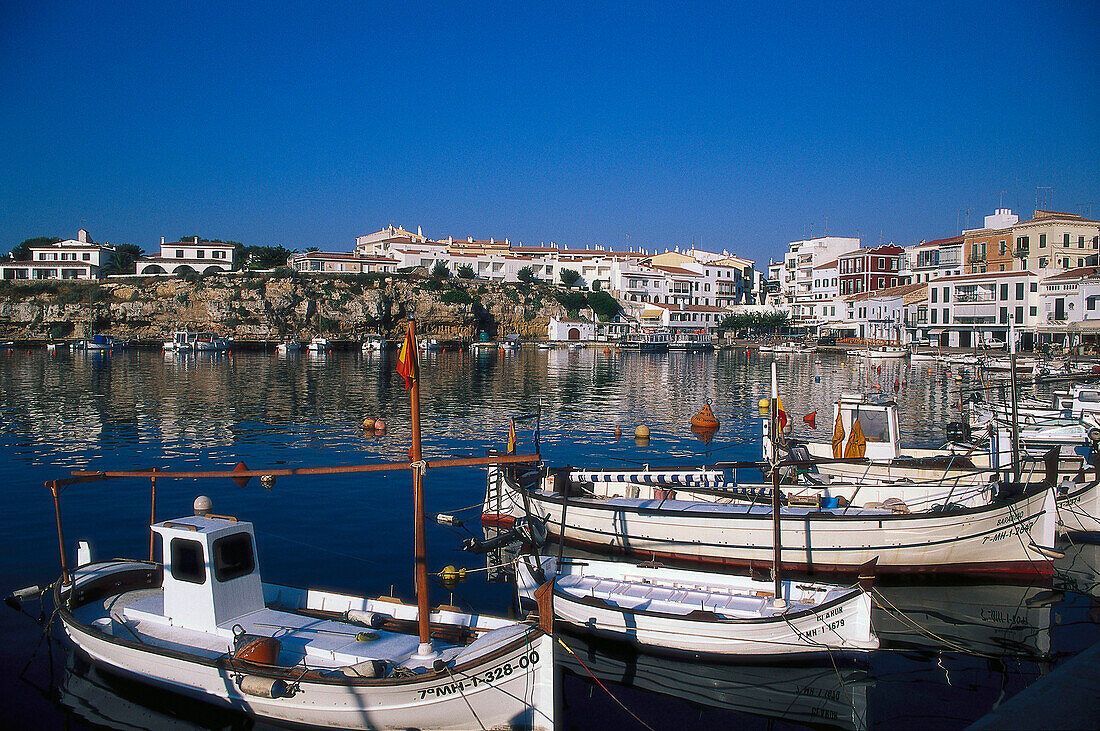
(648, 124)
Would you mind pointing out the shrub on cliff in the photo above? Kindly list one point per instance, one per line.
(456, 297)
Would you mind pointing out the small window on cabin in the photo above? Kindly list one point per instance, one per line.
(187, 562)
(1089, 396)
(875, 425)
(233, 557)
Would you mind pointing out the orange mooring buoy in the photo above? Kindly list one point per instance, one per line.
(705, 418)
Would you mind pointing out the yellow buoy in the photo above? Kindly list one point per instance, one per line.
(369, 424)
(641, 432)
(764, 406)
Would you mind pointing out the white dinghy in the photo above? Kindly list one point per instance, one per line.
(707, 614)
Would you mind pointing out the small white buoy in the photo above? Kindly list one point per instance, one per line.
(203, 505)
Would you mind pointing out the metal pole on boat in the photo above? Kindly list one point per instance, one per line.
(420, 543)
(1015, 408)
(777, 548)
(56, 490)
(152, 513)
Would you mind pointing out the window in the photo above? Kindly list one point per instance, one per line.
(1065, 239)
(86, 257)
(1042, 241)
(1019, 290)
(933, 313)
(233, 557)
(187, 562)
(1080, 242)
(946, 316)
(946, 295)
(935, 293)
(1033, 311)
(1002, 248)
(1019, 314)
(179, 253)
(1004, 315)
(1004, 291)
(1090, 303)
(1042, 262)
(202, 254)
(1080, 262)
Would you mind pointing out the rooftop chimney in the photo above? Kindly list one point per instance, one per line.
(82, 236)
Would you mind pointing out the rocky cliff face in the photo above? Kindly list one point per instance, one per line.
(271, 307)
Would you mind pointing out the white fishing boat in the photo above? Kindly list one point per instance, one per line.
(211, 343)
(510, 343)
(374, 343)
(289, 345)
(706, 614)
(430, 345)
(53, 347)
(631, 513)
(180, 341)
(881, 352)
(203, 624)
(319, 345)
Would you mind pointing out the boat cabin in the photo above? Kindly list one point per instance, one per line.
(1079, 399)
(210, 572)
(878, 420)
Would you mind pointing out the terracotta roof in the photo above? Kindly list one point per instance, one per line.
(676, 270)
(941, 242)
(828, 264)
(1080, 273)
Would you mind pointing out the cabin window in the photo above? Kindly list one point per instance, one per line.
(233, 557)
(1089, 396)
(187, 562)
(875, 425)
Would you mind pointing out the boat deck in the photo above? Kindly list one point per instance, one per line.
(674, 600)
(304, 640)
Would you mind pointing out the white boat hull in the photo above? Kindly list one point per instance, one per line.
(704, 614)
(507, 687)
(1000, 538)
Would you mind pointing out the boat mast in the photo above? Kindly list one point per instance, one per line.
(1015, 407)
(777, 548)
(420, 549)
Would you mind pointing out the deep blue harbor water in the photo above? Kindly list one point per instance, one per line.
(950, 652)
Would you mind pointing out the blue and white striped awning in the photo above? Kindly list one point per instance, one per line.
(698, 478)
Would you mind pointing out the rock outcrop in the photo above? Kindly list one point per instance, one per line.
(262, 307)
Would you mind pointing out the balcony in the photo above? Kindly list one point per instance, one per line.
(975, 311)
(1021, 252)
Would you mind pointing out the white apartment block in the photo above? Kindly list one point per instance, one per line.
(930, 260)
(79, 258)
(1069, 306)
(796, 277)
(966, 310)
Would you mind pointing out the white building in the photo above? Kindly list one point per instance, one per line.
(79, 258)
(930, 260)
(560, 330)
(970, 309)
(1068, 307)
(193, 255)
(796, 278)
(353, 263)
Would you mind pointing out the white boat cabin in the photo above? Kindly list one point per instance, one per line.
(211, 577)
(878, 420)
(1079, 399)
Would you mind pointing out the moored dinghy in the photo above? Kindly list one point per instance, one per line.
(708, 614)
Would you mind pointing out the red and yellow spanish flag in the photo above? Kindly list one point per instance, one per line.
(512, 438)
(406, 360)
(780, 414)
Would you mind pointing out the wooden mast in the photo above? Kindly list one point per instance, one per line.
(420, 544)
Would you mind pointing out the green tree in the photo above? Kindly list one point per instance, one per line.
(440, 270)
(569, 277)
(527, 274)
(22, 251)
(260, 257)
(466, 272)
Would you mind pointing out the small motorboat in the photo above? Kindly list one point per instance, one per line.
(289, 345)
(374, 343)
(319, 345)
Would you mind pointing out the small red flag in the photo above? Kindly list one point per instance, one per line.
(811, 419)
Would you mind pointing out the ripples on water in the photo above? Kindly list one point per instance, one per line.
(143, 409)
